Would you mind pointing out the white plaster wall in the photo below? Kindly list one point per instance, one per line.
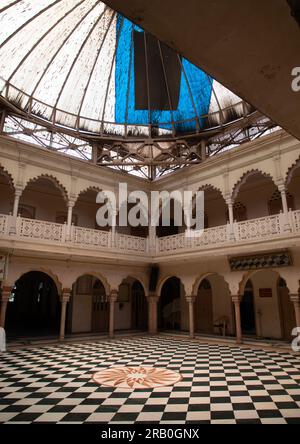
(123, 316)
(47, 204)
(257, 199)
(86, 213)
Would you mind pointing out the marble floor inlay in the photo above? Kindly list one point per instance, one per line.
(136, 377)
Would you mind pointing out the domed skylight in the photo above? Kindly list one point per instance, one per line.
(81, 65)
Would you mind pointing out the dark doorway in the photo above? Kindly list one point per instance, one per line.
(169, 310)
(248, 311)
(204, 309)
(139, 307)
(34, 307)
(100, 309)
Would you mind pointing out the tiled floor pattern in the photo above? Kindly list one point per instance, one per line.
(221, 384)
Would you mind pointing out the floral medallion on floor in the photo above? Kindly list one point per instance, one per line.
(136, 377)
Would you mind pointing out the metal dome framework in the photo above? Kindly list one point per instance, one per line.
(88, 82)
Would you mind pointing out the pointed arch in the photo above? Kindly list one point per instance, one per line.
(204, 276)
(208, 186)
(163, 280)
(138, 279)
(291, 172)
(54, 180)
(251, 273)
(242, 181)
(14, 278)
(95, 275)
(9, 176)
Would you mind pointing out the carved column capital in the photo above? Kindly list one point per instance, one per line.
(295, 298)
(18, 191)
(236, 299)
(191, 299)
(113, 297)
(66, 295)
(229, 200)
(281, 187)
(152, 298)
(71, 202)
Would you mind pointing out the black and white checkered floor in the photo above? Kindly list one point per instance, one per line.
(221, 384)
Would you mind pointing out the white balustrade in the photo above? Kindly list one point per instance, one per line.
(3, 224)
(211, 236)
(256, 229)
(295, 220)
(90, 237)
(259, 228)
(41, 230)
(131, 243)
(172, 243)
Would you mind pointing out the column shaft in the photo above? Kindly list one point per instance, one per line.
(18, 194)
(191, 303)
(152, 312)
(237, 307)
(64, 302)
(295, 298)
(112, 300)
(231, 217)
(6, 292)
(71, 205)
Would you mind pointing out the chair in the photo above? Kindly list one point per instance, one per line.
(222, 324)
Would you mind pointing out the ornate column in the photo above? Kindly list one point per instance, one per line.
(65, 299)
(71, 205)
(5, 295)
(18, 194)
(191, 302)
(152, 238)
(152, 313)
(295, 298)
(114, 227)
(237, 308)
(282, 189)
(229, 202)
(112, 300)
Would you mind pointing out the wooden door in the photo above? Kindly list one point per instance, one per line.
(100, 312)
(288, 317)
(139, 307)
(204, 311)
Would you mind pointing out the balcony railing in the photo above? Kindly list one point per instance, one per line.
(252, 230)
(41, 230)
(258, 228)
(88, 237)
(4, 224)
(295, 220)
(131, 243)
